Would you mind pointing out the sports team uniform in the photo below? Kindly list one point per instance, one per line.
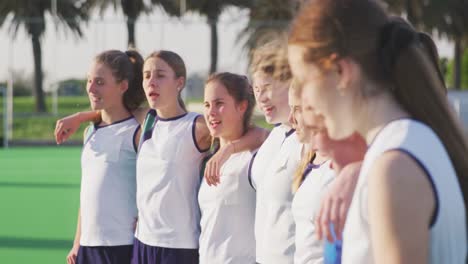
(265, 153)
(168, 180)
(108, 193)
(228, 215)
(272, 174)
(448, 241)
(305, 207)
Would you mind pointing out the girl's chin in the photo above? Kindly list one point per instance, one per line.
(96, 107)
(215, 132)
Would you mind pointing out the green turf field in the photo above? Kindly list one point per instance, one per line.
(39, 198)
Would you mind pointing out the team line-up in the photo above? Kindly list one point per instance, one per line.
(366, 162)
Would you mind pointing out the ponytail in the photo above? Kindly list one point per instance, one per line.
(135, 94)
(181, 101)
(416, 76)
(299, 174)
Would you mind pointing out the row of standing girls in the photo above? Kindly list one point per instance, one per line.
(164, 183)
(351, 96)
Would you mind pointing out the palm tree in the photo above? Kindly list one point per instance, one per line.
(212, 9)
(411, 8)
(447, 17)
(132, 9)
(31, 15)
(268, 18)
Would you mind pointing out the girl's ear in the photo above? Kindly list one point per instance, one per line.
(243, 106)
(123, 86)
(347, 71)
(180, 84)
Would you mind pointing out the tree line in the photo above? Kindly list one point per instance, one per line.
(447, 18)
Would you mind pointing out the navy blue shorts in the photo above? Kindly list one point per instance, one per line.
(145, 254)
(104, 255)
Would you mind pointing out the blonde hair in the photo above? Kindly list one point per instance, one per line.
(271, 58)
(307, 158)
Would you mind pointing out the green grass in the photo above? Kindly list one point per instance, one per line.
(30, 126)
(39, 128)
(39, 190)
(66, 104)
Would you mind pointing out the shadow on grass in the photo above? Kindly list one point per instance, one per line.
(39, 185)
(34, 243)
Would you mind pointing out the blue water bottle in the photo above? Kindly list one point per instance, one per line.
(332, 250)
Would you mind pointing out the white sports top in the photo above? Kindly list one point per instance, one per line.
(274, 222)
(265, 153)
(228, 215)
(108, 185)
(305, 206)
(168, 180)
(448, 238)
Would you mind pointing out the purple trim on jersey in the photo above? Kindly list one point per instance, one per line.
(96, 126)
(145, 254)
(431, 181)
(172, 118)
(287, 134)
(316, 166)
(194, 124)
(149, 133)
(311, 166)
(249, 173)
(135, 145)
(307, 170)
(290, 132)
(152, 112)
(104, 255)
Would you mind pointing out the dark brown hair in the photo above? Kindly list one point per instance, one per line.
(391, 55)
(239, 88)
(177, 65)
(128, 66)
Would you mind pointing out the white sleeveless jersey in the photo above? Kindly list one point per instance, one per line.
(265, 153)
(168, 179)
(305, 206)
(448, 241)
(108, 185)
(228, 215)
(274, 222)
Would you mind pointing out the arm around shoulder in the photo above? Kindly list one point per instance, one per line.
(68, 125)
(252, 140)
